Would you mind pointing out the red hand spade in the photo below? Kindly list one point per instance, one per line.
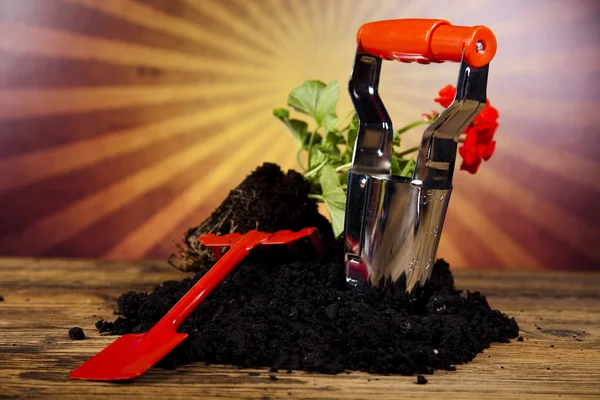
(131, 355)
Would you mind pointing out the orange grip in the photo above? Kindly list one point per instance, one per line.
(427, 40)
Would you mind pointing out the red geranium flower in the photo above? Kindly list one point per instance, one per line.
(479, 143)
(447, 95)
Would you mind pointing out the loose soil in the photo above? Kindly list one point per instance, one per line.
(76, 333)
(272, 311)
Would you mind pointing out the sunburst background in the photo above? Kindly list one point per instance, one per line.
(123, 123)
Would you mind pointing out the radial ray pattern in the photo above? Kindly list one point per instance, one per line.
(124, 122)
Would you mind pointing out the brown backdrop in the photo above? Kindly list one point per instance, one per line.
(123, 122)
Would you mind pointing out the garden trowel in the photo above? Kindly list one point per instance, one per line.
(393, 224)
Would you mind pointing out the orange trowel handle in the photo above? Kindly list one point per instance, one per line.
(427, 40)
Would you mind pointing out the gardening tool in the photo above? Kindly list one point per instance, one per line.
(393, 224)
(131, 355)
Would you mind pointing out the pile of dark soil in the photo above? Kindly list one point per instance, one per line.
(268, 200)
(301, 316)
(273, 312)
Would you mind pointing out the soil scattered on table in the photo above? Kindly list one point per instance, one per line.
(284, 314)
(421, 380)
(76, 333)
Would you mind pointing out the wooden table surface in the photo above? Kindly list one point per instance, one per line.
(559, 316)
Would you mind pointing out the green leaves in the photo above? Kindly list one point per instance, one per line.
(317, 100)
(316, 157)
(402, 167)
(396, 168)
(298, 129)
(396, 139)
(328, 122)
(329, 148)
(352, 133)
(334, 198)
(326, 106)
(408, 169)
(304, 98)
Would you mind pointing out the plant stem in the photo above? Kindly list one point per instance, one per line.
(310, 144)
(316, 197)
(343, 121)
(316, 169)
(410, 126)
(341, 167)
(298, 153)
(408, 151)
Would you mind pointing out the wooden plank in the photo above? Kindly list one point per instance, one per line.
(559, 316)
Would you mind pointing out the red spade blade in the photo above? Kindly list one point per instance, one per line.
(129, 356)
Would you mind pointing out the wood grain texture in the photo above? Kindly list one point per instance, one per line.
(559, 316)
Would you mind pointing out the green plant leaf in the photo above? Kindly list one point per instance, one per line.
(315, 185)
(396, 169)
(330, 147)
(298, 129)
(281, 113)
(317, 100)
(343, 177)
(329, 122)
(333, 154)
(305, 98)
(334, 197)
(396, 139)
(401, 161)
(352, 134)
(316, 157)
(318, 139)
(326, 115)
(402, 166)
(333, 138)
(408, 169)
(346, 157)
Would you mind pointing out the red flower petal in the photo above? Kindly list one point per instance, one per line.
(489, 151)
(472, 135)
(469, 152)
(465, 154)
(447, 95)
(471, 168)
(489, 113)
(485, 131)
(481, 149)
